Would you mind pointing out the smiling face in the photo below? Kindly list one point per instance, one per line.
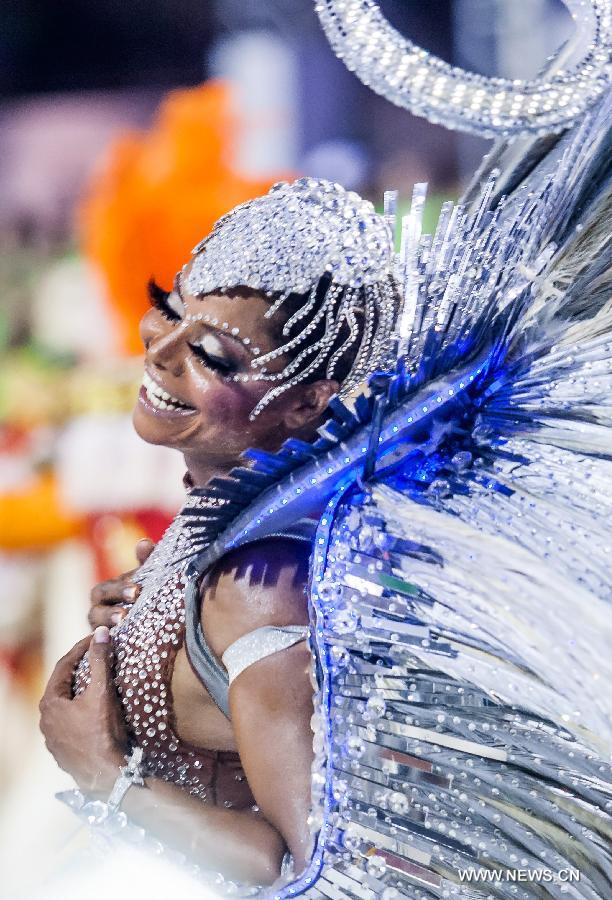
(193, 397)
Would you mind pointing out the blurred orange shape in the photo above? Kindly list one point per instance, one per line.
(158, 194)
(34, 518)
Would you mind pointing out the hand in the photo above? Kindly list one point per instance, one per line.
(86, 734)
(110, 600)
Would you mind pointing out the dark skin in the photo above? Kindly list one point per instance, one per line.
(110, 600)
(255, 585)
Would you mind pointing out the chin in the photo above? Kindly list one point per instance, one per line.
(152, 430)
(144, 429)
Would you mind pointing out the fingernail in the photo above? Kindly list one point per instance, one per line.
(129, 592)
(116, 618)
(101, 635)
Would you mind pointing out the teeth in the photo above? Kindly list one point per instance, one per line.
(158, 397)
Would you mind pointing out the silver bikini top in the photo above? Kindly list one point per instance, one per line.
(249, 648)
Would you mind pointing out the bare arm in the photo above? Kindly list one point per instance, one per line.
(271, 706)
(271, 701)
(239, 844)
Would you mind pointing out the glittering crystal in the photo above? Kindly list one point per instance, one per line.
(376, 866)
(375, 707)
(419, 81)
(94, 812)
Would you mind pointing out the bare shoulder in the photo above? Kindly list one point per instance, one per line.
(262, 583)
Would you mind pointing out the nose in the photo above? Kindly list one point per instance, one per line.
(166, 350)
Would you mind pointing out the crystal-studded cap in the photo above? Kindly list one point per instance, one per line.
(288, 239)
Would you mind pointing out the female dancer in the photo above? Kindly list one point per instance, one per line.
(287, 303)
(460, 627)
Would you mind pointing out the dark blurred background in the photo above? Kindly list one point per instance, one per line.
(71, 72)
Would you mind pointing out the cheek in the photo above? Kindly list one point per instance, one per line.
(227, 407)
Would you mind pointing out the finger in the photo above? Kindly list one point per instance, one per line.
(100, 593)
(105, 615)
(60, 682)
(129, 593)
(144, 549)
(100, 659)
(110, 592)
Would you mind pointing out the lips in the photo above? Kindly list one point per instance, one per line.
(157, 397)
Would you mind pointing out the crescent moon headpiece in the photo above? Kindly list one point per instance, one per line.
(411, 77)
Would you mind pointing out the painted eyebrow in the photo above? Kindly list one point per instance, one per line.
(220, 331)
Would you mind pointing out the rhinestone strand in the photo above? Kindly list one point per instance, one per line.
(284, 243)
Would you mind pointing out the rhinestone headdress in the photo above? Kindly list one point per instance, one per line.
(311, 238)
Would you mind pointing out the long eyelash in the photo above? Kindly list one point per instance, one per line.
(158, 299)
(216, 365)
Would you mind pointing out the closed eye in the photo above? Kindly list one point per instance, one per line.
(169, 304)
(210, 353)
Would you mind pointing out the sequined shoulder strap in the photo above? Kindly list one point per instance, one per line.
(259, 644)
